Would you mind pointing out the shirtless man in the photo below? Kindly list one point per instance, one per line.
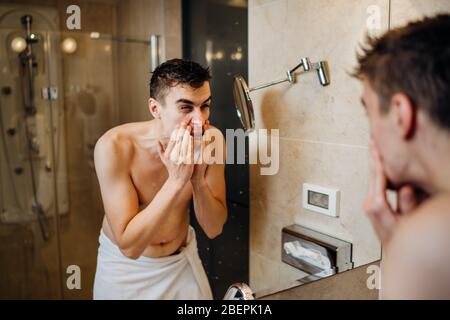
(147, 185)
(406, 80)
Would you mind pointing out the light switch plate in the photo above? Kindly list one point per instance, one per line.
(322, 200)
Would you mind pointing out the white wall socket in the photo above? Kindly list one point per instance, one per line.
(322, 200)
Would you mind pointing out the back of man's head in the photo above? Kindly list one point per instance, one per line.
(414, 60)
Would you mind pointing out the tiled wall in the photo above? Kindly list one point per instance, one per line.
(324, 132)
(162, 18)
(403, 11)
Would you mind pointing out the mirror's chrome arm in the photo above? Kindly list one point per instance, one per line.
(304, 62)
(321, 68)
(270, 84)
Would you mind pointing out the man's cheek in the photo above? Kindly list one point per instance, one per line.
(186, 118)
(389, 167)
(178, 119)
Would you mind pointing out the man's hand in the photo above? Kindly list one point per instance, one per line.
(201, 161)
(178, 156)
(384, 219)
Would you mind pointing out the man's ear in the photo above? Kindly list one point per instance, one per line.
(154, 108)
(404, 114)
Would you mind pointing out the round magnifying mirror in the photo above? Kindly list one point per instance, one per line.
(244, 106)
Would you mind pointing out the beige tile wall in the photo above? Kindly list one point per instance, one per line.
(403, 11)
(323, 131)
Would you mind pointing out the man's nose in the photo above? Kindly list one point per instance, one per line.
(199, 116)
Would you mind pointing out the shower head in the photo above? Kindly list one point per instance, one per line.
(26, 20)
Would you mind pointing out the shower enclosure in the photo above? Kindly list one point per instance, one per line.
(59, 92)
(33, 172)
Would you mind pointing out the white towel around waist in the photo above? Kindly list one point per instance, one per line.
(179, 276)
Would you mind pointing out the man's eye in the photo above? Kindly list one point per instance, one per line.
(205, 106)
(186, 108)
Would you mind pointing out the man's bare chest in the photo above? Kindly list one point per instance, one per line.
(148, 176)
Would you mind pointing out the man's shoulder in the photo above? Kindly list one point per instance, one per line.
(427, 229)
(435, 211)
(417, 255)
(117, 142)
(433, 215)
(115, 139)
(124, 134)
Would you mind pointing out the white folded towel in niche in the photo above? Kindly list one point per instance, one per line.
(310, 255)
(179, 276)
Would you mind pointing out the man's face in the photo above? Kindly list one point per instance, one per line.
(185, 103)
(386, 136)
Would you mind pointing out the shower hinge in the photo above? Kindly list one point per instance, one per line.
(49, 93)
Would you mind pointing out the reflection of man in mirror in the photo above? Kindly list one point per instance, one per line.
(147, 247)
(406, 78)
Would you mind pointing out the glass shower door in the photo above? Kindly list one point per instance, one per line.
(51, 213)
(33, 178)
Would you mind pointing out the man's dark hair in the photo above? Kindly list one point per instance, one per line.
(174, 72)
(414, 60)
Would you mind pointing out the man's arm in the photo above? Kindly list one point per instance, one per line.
(209, 193)
(418, 256)
(133, 230)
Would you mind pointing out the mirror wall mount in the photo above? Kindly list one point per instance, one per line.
(241, 91)
(321, 67)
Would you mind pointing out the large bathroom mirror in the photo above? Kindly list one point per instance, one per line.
(96, 78)
(301, 222)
